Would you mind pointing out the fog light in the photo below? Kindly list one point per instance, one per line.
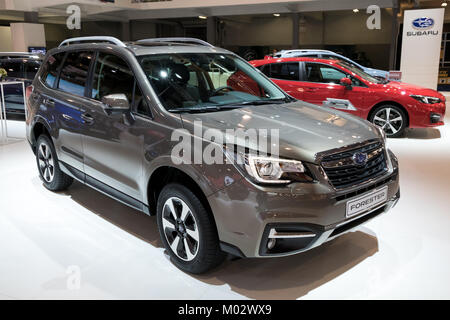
(435, 117)
(271, 244)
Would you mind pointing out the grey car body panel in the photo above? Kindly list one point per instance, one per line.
(304, 129)
(122, 151)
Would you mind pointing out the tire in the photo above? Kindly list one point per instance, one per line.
(202, 254)
(398, 119)
(47, 162)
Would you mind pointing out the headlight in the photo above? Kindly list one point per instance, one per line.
(425, 99)
(270, 170)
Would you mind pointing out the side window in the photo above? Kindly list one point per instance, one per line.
(330, 57)
(13, 69)
(316, 72)
(74, 73)
(265, 68)
(31, 68)
(308, 56)
(285, 71)
(50, 71)
(139, 102)
(111, 75)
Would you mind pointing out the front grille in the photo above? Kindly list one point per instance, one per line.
(342, 172)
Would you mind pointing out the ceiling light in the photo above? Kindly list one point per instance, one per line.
(444, 4)
(202, 17)
(276, 14)
(355, 10)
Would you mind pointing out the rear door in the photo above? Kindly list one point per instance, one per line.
(67, 105)
(286, 75)
(322, 87)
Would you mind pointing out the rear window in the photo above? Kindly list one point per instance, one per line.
(31, 68)
(74, 72)
(50, 71)
(283, 71)
(13, 69)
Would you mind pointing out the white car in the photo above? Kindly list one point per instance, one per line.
(326, 54)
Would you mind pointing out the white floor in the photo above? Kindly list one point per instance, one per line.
(51, 242)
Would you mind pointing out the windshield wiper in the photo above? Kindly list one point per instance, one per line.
(261, 102)
(211, 108)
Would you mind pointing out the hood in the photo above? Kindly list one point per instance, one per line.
(376, 72)
(414, 89)
(304, 129)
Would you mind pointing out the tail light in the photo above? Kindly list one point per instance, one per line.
(29, 91)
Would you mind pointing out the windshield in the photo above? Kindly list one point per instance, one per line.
(359, 72)
(207, 82)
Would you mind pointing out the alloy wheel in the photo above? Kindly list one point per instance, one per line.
(180, 229)
(46, 163)
(389, 119)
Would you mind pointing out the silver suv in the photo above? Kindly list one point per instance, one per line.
(108, 114)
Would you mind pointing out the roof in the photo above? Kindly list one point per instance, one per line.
(13, 55)
(258, 63)
(304, 50)
(145, 46)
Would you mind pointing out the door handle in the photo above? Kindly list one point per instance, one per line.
(311, 89)
(66, 116)
(49, 102)
(87, 118)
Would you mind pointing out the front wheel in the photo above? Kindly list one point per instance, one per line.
(187, 230)
(391, 119)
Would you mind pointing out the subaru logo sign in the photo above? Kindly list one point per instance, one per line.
(360, 158)
(423, 23)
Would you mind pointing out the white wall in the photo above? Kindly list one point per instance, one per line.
(24, 35)
(5, 39)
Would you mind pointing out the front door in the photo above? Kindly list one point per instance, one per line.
(321, 84)
(112, 147)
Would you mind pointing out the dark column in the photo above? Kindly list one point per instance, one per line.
(31, 17)
(295, 30)
(125, 28)
(211, 30)
(394, 35)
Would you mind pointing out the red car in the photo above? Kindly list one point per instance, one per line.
(393, 106)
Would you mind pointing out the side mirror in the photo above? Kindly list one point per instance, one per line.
(346, 82)
(116, 102)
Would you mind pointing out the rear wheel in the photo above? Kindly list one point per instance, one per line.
(47, 161)
(391, 118)
(187, 230)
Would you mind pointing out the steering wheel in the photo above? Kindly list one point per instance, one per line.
(217, 91)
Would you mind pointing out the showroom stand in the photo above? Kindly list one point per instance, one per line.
(4, 136)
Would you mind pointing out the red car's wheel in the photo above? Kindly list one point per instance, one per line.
(391, 119)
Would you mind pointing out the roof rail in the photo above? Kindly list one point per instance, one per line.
(182, 40)
(93, 39)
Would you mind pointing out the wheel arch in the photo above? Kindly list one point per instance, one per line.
(387, 102)
(39, 127)
(164, 175)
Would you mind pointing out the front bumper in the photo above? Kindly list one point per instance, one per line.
(245, 213)
(289, 239)
(423, 115)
